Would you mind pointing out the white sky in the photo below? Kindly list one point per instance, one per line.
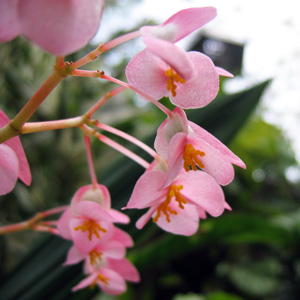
(270, 30)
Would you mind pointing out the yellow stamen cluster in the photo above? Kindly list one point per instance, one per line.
(190, 158)
(101, 278)
(174, 191)
(172, 78)
(92, 227)
(94, 256)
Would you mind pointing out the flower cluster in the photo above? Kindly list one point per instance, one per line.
(182, 184)
(185, 182)
(89, 223)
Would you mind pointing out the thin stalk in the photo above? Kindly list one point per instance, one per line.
(102, 100)
(90, 131)
(127, 137)
(31, 223)
(155, 102)
(90, 161)
(102, 48)
(51, 125)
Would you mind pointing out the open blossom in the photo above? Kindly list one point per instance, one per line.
(13, 161)
(177, 207)
(110, 275)
(189, 79)
(89, 218)
(186, 145)
(59, 27)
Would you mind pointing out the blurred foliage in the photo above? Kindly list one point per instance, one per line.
(249, 253)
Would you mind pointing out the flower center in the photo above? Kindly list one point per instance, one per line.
(95, 256)
(92, 227)
(174, 191)
(172, 78)
(190, 158)
(101, 278)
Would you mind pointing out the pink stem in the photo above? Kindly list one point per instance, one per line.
(127, 137)
(31, 223)
(120, 40)
(49, 223)
(53, 211)
(90, 160)
(123, 150)
(155, 102)
(98, 74)
(46, 229)
(51, 125)
(14, 127)
(102, 48)
(101, 101)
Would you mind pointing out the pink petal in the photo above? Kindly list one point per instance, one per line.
(145, 192)
(60, 27)
(202, 190)
(116, 284)
(15, 144)
(144, 219)
(9, 23)
(179, 60)
(215, 143)
(175, 159)
(202, 88)
(63, 224)
(9, 169)
(125, 268)
(119, 217)
(201, 212)
(186, 222)
(88, 281)
(181, 24)
(81, 239)
(122, 237)
(73, 256)
(215, 163)
(223, 72)
(146, 72)
(112, 249)
(99, 195)
(165, 132)
(93, 211)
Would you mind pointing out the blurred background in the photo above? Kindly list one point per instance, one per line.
(251, 252)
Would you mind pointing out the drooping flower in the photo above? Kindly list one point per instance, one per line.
(190, 79)
(90, 218)
(177, 207)
(186, 145)
(13, 161)
(59, 27)
(110, 276)
(105, 266)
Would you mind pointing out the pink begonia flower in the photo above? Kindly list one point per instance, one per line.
(189, 79)
(186, 145)
(89, 218)
(59, 27)
(110, 276)
(180, 24)
(106, 266)
(111, 248)
(175, 208)
(13, 161)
